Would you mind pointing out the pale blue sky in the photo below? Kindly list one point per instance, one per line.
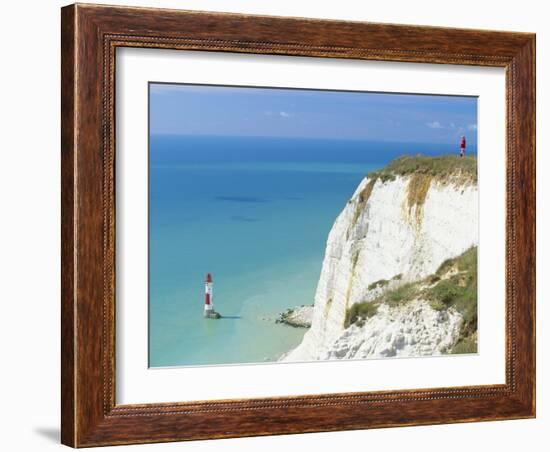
(286, 113)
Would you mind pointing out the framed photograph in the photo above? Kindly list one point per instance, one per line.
(281, 225)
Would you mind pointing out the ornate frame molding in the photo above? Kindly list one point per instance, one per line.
(90, 37)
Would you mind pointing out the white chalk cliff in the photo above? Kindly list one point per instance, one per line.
(397, 230)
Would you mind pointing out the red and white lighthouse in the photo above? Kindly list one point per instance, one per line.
(208, 295)
(209, 312)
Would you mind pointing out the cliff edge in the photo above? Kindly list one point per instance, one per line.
(402, 224)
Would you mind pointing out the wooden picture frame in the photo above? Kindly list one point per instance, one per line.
(90, 35)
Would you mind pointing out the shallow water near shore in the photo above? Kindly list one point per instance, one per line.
(256, 214)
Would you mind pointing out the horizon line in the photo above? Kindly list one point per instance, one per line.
(474, 142)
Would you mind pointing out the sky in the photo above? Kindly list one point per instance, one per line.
(289, 113)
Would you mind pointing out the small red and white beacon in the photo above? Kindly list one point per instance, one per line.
(208, 295)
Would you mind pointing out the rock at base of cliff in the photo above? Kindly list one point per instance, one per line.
(299, 317)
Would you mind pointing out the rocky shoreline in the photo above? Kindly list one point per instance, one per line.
(298, 317)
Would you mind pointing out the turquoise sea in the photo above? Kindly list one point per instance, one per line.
(254, 212)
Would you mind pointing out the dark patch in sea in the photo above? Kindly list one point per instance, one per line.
(245, 219)
(245, 199)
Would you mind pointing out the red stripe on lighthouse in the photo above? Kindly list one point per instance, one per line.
(208, 291)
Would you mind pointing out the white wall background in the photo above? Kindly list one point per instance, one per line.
(29, 226)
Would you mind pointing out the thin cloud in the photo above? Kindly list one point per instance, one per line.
(434, 125)
(450, 126)
(282, 114)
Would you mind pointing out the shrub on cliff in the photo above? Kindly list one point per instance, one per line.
(454, 285)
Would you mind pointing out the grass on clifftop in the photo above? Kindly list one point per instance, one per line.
(453, 285)
(444, 168)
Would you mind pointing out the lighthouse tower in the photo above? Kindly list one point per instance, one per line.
(209, 312)
(208, 295)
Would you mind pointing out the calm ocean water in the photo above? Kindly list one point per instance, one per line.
(254, 212)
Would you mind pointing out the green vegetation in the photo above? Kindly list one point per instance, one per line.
(438, 305)
(384, 282)
(467, 262)
(379, 283)
(392, 297)
(458, 289)
(442, 168)
(454, 285)
(466, 344)
(359, 312)
(401, 294)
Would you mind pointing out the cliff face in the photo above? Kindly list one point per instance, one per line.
(395, 230)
